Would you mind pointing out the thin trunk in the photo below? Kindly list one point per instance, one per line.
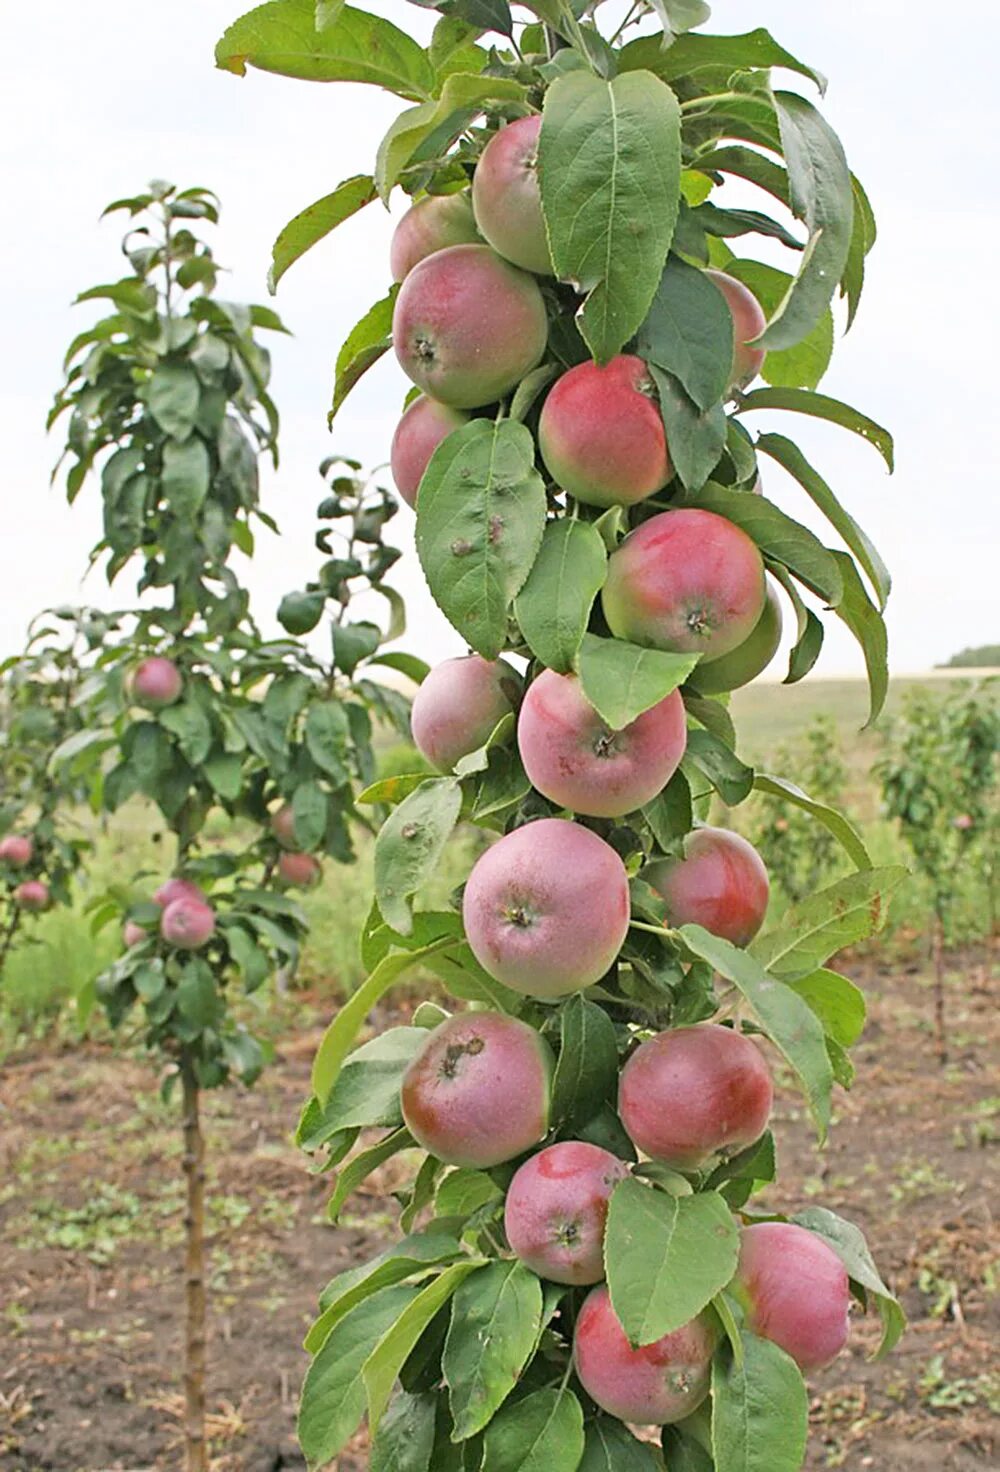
(938, 950)
(194, 1223)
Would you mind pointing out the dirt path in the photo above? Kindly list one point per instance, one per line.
(90, 1225)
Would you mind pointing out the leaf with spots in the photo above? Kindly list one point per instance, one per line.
(409, 845)
(495, 1321)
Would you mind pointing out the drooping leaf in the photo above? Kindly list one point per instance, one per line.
(803, 365)
(463, 93)
(610, 1447)
(837, 1002)
(186, 475)
(410, 844)
(495, 1320)
(693, 52)
(840, 915)
(621, 680)
(760, 1410)
(803, 401)
(553, 608)
(173, 394)
(367, 341)
(688, 332)
(695, 438)
(316, 221)
(716, 760)
(862, 239)
(405, 1438)
(867, 625)
(587, 1069)
(841, 828)
(361, 1167)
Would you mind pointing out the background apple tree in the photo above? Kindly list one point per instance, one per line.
(517, 1324)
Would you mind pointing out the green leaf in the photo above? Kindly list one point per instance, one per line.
(541, 1433)
(867, 625)
(808, 631)
(405, 1438)
(299, 613)
(316, 221)
(282, 37)
(844, 913)
(669, 814)
(862, 239)
(695, 439)
(496, 1317)
(609, 170)
(778, 536)
(610, 1447)
(587, 1071)
(410, 844)
(788, 1021)
(688, 332)
(367, 1089)
(820, 193)
(803, 365)
(553, 608)
(480, 520)
(310, 810)
(666, 1257)
(173, 393)
(849, 1243)
(788, 455)
(464, 1191)
(683, 1452)
(760, 1411)
(679, 16)
(192, 727)
(732, 779)
(412, 1257)
(225, 775)
(327, 733)
(352, 643)
(410, 665)
(333, 1395)
(622, 680)
(462, 93)
(344, 1028)
(802, 401)
(186, 475)
(361, 1167)
(383, 1365)
(711, 713)
(837, 1002)
(694, 52)
(841, 828)
(367, 341)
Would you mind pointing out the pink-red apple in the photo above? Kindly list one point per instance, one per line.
(721, 883)
(601, 433)
(546, 909)
(179, 889)
(300, 871)
(557, 1208)
(575, 760)
(654, 1385)
(506, 197)
(422, 428)
(686, 580)
(187, 923)
(688, 1095)
(459, 706)
(479, 1091)
(156, 682)
(748, 322)
(432, 224)
(747, 660)
(133, 934)
(795, 1291)
(17, 850)
(283, 825)
(33, 894)
(467, 326)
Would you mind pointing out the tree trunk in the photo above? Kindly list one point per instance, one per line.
(194, 1277)
(938, 951)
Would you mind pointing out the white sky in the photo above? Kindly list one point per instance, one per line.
(97, 99)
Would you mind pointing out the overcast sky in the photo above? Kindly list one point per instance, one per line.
(97, 99)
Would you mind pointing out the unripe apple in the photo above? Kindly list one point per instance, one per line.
(686, 580)
(468, 326)
(179, 889)
(506, 197)
(156, 682)
(133, 934)
(459, 706)
(685, 1096)
(748, 322)
(721, 883)
(301, 871)
(33, 894)
(187, 924)
(747, 660)
(546, 909)
(432, 224)
(283, 825)
(557, 1207)
(16, 849)
(795, 1291)
(575, 760)
(422, 428)
(654, 1385)
(601, 433)
(478, 1092)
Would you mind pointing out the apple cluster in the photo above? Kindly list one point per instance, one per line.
(17, 853)
(187, 919)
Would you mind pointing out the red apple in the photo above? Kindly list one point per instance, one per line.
(179, 889)
(506, 197)
(300, 871)
(422, 428)
(156, 682)
(187, 924)
(432, 224)
(33, 894)
(283, 825)
(748, 322)
(795, 1291)
(459, 706)
(720, 883)
(556, 1209)
(133, 934)
(747, 660)
(17, 850)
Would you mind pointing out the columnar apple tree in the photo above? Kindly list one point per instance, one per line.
(582, 1253)
(188, 706)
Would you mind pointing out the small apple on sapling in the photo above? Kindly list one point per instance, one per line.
(300, 871)
(134, 934)
(557, 1209)
(546, 909)
(178, 888)
(188, 924)
(430, 225)
(478, 1092)
(748, 322)
(33, 894)
(654, 1385)
(720, 883)
(156, 683)
(17, 850)
(459, 706)
(424, 424)
(283, 826)
(506, 197)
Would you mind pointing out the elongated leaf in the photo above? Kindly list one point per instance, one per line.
(610, 1447)
(542, 1433)
(862, 239)
(367, 1090)
(695, 438)
(317, 220)
(693, 52)
(788, 1021)
(841, 828)
(410, 844)
(367, 341)
(684, 1453)
(621, 680)
(688, 331)
(747, 164)
(173, 394)
(462, 93)
(186, 475)
(354, 46)
(345, 1026)
(837, 1002)
(849, 1243)
(868, 626)
(405, 1438)
(480, 520)
(779, 537)
(495, 1320)
(844, 913)
(809, 629)
(412, 1255)
(383, 1365)
(666, 1257)
(609, 169)
(821, 195)
(587, 1071)
(788, 455)
(715, 759)
(802, 401)
(760, 1411)
(803, 365)
(362, 1166)
(553, 607)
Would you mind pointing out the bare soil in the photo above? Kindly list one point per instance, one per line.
(90, 1250)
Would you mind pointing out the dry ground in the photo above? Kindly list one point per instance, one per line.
(90, 1222)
